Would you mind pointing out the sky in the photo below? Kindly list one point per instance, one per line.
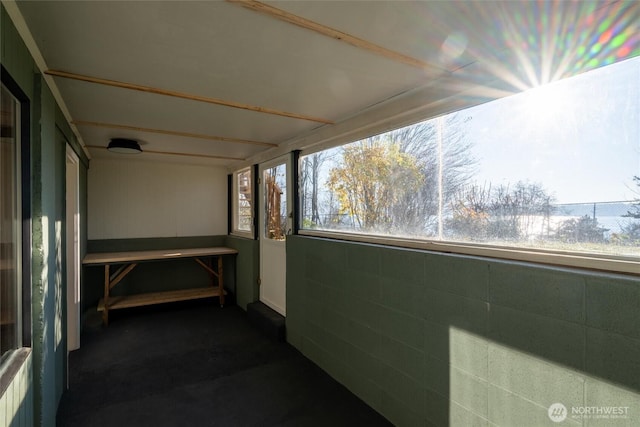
(579, 137)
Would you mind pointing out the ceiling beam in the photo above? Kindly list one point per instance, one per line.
(174, 133)
(171, 153)
(335, 34)
(158, 91)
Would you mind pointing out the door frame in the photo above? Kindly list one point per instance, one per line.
(270, 249)
(73, 249)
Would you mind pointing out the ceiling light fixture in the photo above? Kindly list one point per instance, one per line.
(124, 146)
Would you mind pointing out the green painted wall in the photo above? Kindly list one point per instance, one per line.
(49, 135)
(247, 269)
(440, 339)
(49, 289)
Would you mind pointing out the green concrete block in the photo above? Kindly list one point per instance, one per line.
(534, 378)
(401, 406)
(601, 394)
(335, 323)
(402, 357)
(295, 315)
(336, 367)
(508, 409)
(313, 310)
(329, 252)
(295, 292)
(460, 416)
(314, 290)
(407, 329)
(324, 263)
(555, 340)
(453, 310)
(364, 388)
(469, 391)
(364, 337)
(403, 264)
(294, 335)
(364, 258)
(436, 408)
(337, 300)
(314, 268)
(362, 284)
(366, 312)
(436, 375)
(404, 389)
(365, 364)
(468, 352)
(614, 305)
(314, 332)
(402, 296)
(331, 344)
(313, 352)
(615, 358)
(536, 290)
(436, 340)
(463, 276)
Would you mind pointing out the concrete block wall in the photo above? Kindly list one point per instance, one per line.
(441, 339)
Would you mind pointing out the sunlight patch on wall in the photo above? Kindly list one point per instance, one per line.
(490, 381)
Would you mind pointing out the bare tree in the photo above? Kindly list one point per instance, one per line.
(504, 212)
(425, 165)
(446, 163)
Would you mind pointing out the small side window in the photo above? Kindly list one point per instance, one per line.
(243, 207)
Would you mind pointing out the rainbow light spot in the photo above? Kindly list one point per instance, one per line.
(605, 37)
(618, 41)
(624, 51)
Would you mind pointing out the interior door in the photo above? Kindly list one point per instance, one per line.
(275, 223)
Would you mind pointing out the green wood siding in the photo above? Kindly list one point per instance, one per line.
(45, 372)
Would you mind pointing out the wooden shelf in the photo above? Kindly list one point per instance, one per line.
(138, 300)
(128, 260)
(99, 258)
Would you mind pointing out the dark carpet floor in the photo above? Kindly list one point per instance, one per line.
(195, 364)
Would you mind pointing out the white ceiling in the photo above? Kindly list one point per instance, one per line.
(227, 51)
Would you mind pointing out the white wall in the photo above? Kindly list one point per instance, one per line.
(133, 199)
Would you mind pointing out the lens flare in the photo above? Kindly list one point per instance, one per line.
(515, 46)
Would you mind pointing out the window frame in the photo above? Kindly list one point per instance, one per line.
(235, 203)
(23, 157)
(611, 263)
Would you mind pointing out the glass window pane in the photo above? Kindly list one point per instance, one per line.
(275, 193)
(9, 225)
(556, 167)
(244, 208)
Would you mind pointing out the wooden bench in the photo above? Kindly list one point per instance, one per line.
(127, 261)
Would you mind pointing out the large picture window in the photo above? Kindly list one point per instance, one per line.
(10, 224)
(555, 168)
